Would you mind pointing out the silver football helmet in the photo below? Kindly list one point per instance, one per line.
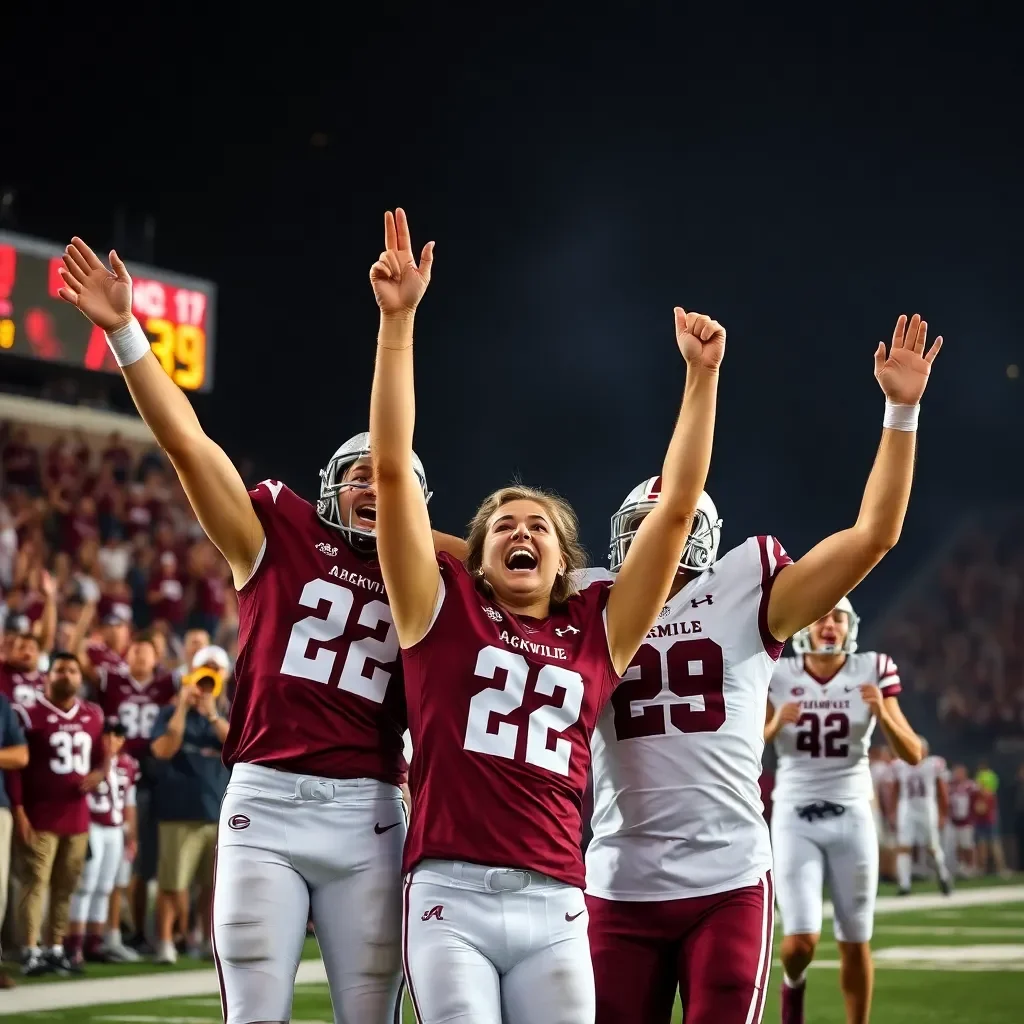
(332, 480)
(802, 638)
(701, 547)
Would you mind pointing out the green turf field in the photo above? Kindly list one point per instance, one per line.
(939, 961)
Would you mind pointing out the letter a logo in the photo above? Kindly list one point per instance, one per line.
(433, 912)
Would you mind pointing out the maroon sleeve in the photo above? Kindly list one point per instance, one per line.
(773, 560)
(888, 676)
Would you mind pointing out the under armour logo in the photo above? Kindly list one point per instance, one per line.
(433, 912)
(706, 599)
(567, 629)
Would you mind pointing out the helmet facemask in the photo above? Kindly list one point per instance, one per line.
(803, 644)
(333, 482)
(698, 553)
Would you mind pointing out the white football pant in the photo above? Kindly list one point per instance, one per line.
(496, 946)
(842, 849)
(99, 874)
(918, 825)
(290, 842)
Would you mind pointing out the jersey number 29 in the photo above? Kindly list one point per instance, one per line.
(694, 672)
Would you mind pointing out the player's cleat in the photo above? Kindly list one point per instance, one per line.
(793, 1002)
(62, 963)
(118, 953)
(946, 886)
(36, 965)
(166, 953)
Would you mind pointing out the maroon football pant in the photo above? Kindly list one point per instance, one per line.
(717, 949)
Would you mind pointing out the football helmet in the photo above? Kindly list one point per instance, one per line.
(701, 548)
(332, 481)
(802, 637)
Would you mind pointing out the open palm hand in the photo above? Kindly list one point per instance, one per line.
(103, 296)
(903, 374)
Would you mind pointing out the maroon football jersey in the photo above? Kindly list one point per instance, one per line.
(22, 687)
(63, 747)
(318, 681)
(501, 710)
(109, 799)
(104, 659)
(134, 705)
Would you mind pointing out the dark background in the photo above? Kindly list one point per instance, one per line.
(803, 178)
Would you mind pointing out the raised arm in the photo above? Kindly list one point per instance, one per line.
(214, 488)
(405, 545)
(643, 582)
(809, 588)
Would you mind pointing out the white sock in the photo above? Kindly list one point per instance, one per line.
(903, 870)
(939, 856)
(57, 949)
(114, 937)
(794, 982)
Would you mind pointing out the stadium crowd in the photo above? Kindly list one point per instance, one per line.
(112, 601)
(974, 601)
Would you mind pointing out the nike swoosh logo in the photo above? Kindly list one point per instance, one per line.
(572, 917)
(387, 828)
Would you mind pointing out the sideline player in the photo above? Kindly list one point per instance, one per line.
(679, 876)
(112, 824)
(507, 670)
(823, 706)
(313, 813)
(922, 805)
(962, 790)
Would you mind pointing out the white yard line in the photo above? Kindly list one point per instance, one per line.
(64, 995)
(137, 988)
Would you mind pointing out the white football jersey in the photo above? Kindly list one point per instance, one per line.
(918, 783)
(677, 752)
(824, 754)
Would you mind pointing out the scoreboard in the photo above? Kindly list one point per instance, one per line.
(177, 314)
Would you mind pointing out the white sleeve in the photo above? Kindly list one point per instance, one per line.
(129, 797)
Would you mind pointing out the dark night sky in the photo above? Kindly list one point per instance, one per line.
(581, 171)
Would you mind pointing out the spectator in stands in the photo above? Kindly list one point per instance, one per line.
(51, 813)
(13, 756)
(189, 736)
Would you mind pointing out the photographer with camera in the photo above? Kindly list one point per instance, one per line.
(188, 738)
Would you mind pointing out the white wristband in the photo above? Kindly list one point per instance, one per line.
(129, 343)
(901, 417)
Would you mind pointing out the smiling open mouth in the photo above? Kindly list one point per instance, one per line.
(521, 560)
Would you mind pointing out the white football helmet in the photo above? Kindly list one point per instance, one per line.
(802, 638)
(701, 547)
(331, 482)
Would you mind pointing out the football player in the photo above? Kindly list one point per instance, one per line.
(962, 790)
(313, 815)
(922, 807)
(507, 670)
(679, 883)
(111, 825)
(824, 704)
